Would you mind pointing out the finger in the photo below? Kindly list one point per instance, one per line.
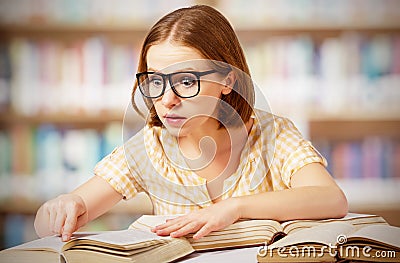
(165, 231)
(53, 214)
(189, 228)
(59, 221)
(205, 230)
(70, 224)
(168, 223)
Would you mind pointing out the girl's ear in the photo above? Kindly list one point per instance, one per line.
(230, 81)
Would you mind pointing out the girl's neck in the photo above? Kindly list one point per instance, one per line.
(212, 140)
(205, 136)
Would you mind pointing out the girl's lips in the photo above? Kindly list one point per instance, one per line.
(174, 120)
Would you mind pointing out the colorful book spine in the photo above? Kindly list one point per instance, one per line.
(87, 76)
(369, 158)
(50, 160)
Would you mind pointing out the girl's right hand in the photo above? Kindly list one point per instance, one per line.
(65, 214)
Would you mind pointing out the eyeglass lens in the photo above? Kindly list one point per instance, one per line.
(184, 84)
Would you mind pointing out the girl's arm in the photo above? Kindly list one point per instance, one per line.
(67, 213)
(314, 194)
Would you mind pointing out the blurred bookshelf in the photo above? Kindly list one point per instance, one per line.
(67, 69)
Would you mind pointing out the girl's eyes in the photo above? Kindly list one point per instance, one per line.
(187, 81)
(156, 82)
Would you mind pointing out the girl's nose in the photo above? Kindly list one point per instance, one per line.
(169, 98)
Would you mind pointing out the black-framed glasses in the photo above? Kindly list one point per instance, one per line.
(185, 84)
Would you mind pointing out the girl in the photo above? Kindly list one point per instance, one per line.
(236, 162)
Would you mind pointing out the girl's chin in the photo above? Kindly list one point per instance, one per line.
(177, 131)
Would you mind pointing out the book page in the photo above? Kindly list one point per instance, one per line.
(120, 237)
(389, 235)
(325, 234)
(357, 220)
(51, 243)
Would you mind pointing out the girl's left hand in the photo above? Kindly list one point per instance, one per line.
(203, 221)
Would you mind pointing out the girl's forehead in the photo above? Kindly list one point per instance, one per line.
(168, 56)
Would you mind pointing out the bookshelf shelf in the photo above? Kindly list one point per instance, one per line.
(319, 32)
(73, 29)
(11, 119)
(142, 28)
(136, 33)
(355, 129)
(119, 33)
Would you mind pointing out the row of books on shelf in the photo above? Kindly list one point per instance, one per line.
(92, 75)
(39, 163)
(350, 74)
(370, 158)
(143, 12)
(348, 54)
(354, 97)
(88, 75)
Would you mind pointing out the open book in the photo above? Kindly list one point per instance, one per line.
(336, 241)
(139, 244)
(254, 232)
(110, 246)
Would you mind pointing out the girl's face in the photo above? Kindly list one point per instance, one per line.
(183, 116)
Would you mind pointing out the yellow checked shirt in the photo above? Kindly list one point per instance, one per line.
(151, 162)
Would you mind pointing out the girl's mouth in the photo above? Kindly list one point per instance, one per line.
(174, 120)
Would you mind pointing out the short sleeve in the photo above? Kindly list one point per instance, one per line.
(114, 169)
(294, 151)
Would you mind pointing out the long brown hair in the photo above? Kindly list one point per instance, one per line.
(205, 29)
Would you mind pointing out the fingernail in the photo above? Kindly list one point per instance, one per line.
(65, 237)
